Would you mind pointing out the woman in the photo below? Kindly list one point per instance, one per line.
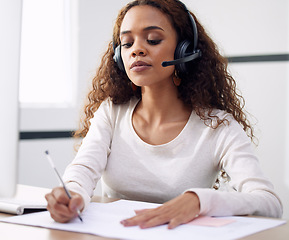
(160, 131)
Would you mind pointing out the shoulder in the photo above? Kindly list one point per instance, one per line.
(221, 124)
(108, 105)
(219, 118)
(230, 129)
(110, 111)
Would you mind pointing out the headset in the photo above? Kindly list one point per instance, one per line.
(186, 51)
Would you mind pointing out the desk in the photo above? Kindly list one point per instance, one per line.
(16, 232)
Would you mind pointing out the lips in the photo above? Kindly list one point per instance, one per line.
(139, 66)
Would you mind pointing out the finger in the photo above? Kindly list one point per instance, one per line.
(140, 211)
(76, 203)
(145, 218)
(178, 220)
(138, 219)
(54, 206)
(154, 221)
(60, 218)
(60, 195)
(58, 211)
(174, 223)
(134, 221)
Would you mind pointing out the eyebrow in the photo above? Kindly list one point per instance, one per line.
(145, 29)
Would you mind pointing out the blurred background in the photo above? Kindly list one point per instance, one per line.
(62, 44)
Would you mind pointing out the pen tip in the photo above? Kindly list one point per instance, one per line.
(47, 152)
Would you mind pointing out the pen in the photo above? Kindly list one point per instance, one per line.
(61, 181)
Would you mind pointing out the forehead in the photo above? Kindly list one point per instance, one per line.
(140, 17)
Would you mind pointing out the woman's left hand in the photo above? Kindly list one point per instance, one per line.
(175, 212)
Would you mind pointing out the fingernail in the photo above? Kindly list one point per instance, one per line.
(124, 222)
(142, 226)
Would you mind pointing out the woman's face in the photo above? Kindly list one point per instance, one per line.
(147, 39)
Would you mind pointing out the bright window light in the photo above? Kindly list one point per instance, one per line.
(43, 64)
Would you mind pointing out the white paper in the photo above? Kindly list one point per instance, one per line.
(18, 206)
(104, 219)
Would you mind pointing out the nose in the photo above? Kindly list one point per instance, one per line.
(138, 52)
(138, 49)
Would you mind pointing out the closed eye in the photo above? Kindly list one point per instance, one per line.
(154, 42)
(151, 42)
(127, 45)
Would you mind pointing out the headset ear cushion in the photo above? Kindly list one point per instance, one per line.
(117, 58)
(183, 49)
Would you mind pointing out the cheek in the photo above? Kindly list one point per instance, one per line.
(161, 56)
(166, 54)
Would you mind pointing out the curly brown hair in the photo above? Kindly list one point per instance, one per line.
(206, 87)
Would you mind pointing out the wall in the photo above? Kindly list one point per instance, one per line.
(240, 28)
(261, 29)
(246, 28)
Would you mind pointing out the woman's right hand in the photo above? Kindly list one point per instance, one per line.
(61, 208)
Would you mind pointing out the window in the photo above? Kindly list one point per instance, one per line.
(45, 48)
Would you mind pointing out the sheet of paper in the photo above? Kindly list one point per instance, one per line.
(104, 219)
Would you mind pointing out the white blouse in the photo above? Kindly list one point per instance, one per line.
(133, 169)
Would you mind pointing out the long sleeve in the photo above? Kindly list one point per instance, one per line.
(84, 172)
(252, 193)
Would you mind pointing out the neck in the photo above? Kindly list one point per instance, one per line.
(161, 104)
